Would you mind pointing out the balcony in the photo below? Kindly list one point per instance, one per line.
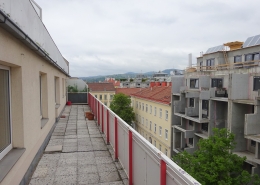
(187, 133)
(104, 150)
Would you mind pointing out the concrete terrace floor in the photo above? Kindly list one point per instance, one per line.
(85, 158)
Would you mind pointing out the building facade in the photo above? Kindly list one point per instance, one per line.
(222, 91)
(33, 77)
(152, 107)
(103, 91)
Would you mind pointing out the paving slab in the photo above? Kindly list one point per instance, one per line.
(77, 154)
(55, 148)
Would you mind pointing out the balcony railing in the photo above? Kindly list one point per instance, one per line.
(142, 162)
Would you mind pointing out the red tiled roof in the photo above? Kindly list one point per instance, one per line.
(116, 83)
(159, 94)
(101, 87)
(127, 91)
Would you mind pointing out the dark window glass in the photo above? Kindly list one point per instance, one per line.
(249, 57)
(256, 56)
(204, 127)
(190, 123)
(237, 59)
(256, 83)
(194, 83)
(217, 83)
(191, 141)
(191, 102)
(210, 62)
(253, 143)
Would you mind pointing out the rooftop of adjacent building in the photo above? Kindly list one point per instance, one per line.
(103, 86)
(127, 91)
(159, 94)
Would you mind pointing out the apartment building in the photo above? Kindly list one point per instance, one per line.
(102, 91)
(221, 91)
(33, 94)
(152, 107)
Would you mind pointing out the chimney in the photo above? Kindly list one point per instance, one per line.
(164, 84)
(190, 60)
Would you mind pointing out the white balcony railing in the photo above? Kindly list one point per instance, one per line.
(142, 162)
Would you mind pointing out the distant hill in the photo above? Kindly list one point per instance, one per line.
(125, 75)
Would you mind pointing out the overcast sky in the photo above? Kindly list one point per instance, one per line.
(102, 37)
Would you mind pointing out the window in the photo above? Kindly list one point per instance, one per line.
(111, 96)
(166, 151)
(5, 122)
(155, 143)
(142, 120)
(204, 127)
(256, 83)
(210, 62)
(63, 87)
(151, 109)
(95, 96)
(100, 96)
(146, 123)
(191, 141)
(155, 128)
(136, 104)
(192, 102)
(166, 134)
(215, 82)
(133, 103)
(237, 58)
(160, 131)
(142, 106)
(166, 114)
(150, 125)
(155, 111)
(146, 108)
(160, 113)
(160, 147)
(194, 83)
(139, 119)
(57, 90)
(105, 103)
(191, 123)
(136, 117)
(105, 97)
(253, 143)
(43, 95)
(252, 56)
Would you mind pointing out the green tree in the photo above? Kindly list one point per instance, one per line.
(121, 105)
(214, 163)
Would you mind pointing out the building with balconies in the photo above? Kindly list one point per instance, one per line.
(220, 91)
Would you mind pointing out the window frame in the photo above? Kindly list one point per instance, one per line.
(166, 134)
(240, 56)
(217, 82)
(191, 102)
(160, 131)
(160, 113)
(8, 148)
(151, 109)
(166, 115)
(194, 79)
(254, 83)
(155, 128)
(155, 110)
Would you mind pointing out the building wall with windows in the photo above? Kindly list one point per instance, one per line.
(103, 91)
(224, 95)
(32, 93)
(153, 120)
(105, 97)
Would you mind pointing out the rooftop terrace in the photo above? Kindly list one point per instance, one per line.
(84, 157)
